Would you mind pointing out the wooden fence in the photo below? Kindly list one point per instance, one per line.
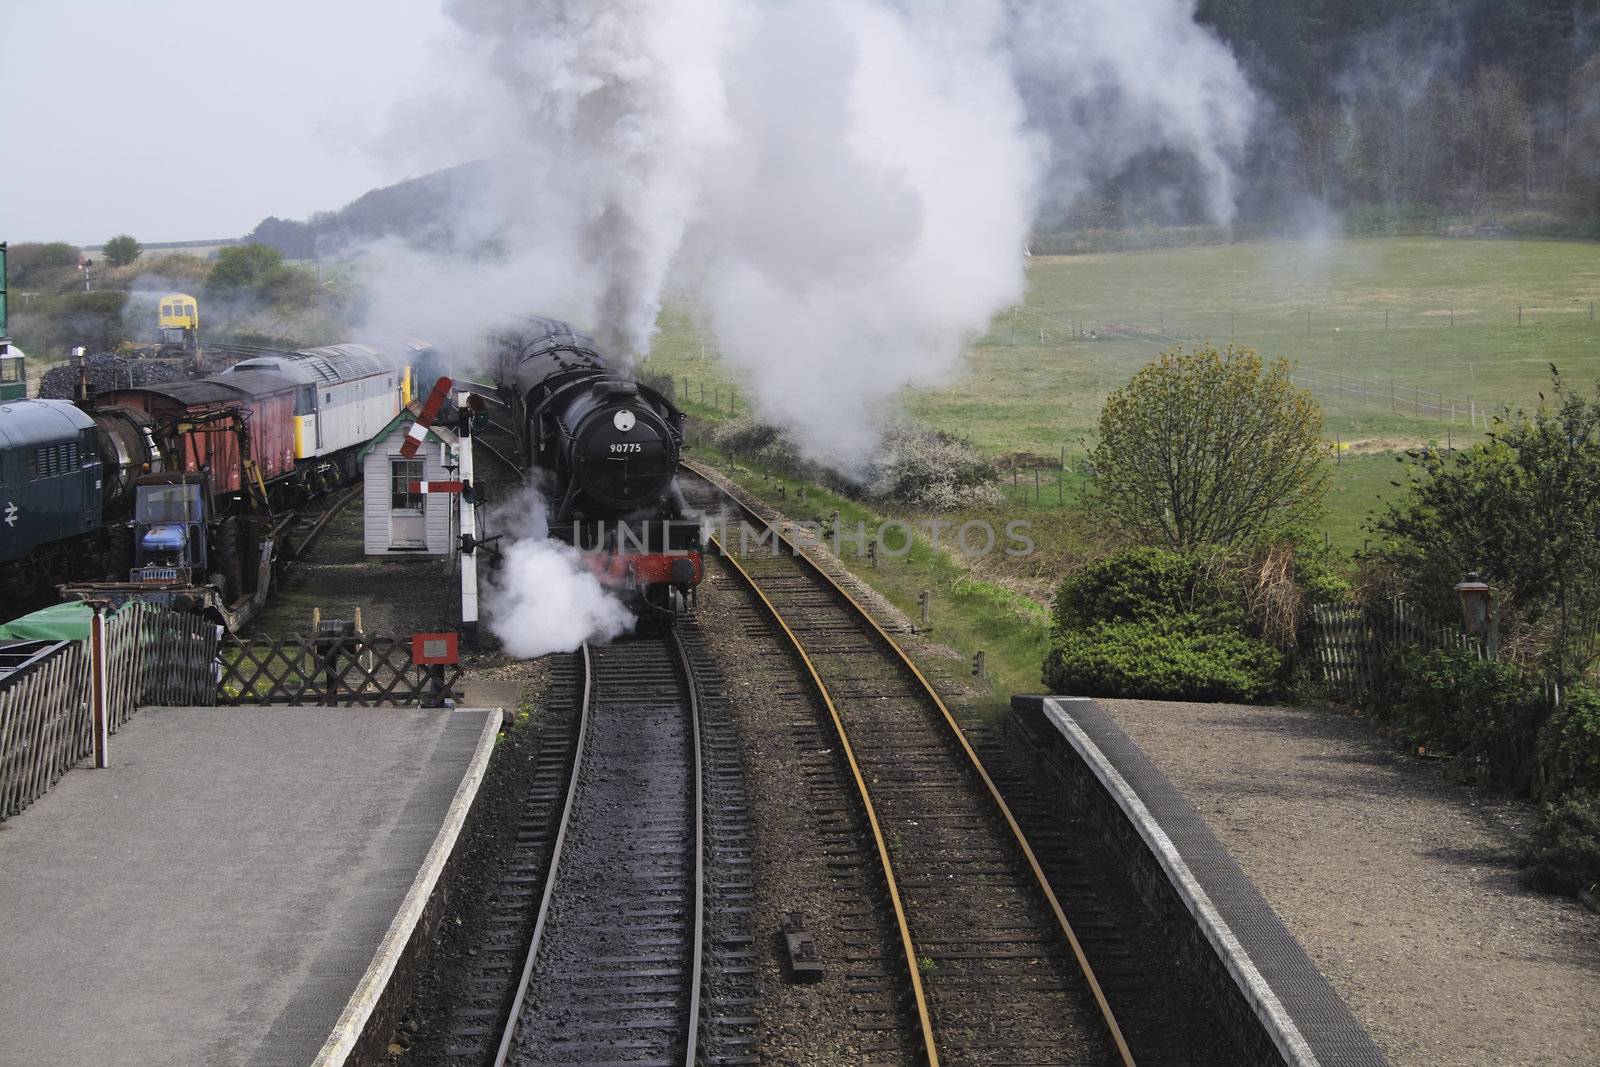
(1348, 642)
(154, 656)
(352, 669)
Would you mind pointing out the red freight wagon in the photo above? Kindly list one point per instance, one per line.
(265, 399)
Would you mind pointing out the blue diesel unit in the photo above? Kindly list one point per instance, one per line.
(50, 478)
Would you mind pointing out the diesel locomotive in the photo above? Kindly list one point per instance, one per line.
(605, 448)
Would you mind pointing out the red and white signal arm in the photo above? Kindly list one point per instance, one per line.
(424, 488)
(433, 649)
(417, 432)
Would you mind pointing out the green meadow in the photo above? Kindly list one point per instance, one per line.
(1401, 339)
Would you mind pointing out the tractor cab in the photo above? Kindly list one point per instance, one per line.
(170, 512)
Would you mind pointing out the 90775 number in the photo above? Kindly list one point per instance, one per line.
(626, 446)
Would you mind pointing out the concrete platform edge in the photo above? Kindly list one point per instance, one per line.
(1274, 1019)
(359, 1010)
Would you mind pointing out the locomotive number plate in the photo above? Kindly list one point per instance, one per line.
(626, 446)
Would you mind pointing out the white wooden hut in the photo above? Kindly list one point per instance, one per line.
(397, 520)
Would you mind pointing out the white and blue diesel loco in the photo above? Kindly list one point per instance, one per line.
(346, 394)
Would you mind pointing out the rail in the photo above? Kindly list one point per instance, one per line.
(599, 740)
(955, 733)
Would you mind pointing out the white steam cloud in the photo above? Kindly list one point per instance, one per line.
(846, 186)
(544, 598)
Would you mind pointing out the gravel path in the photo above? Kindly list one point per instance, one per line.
(1401, 884)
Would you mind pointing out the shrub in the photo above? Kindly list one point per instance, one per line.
(1569, 744)
(1563, 852)
(1145, 584)
(1321, 578)
(1172, 659)
(932, 470)
(917, 467)
(1487, 713)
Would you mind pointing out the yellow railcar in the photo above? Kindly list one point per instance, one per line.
(178, 311)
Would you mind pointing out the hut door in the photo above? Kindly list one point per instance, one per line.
(408, 529)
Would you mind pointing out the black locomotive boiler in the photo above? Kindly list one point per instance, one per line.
(606, 449)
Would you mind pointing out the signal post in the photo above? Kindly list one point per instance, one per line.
(460, 443)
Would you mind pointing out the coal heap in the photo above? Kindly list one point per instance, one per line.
(105, 372)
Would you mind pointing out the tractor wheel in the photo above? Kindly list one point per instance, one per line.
(119, 552)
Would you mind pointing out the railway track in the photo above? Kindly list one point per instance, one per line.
(994, 967)
(613, 970)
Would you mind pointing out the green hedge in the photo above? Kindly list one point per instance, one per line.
(1569, 745)
(1145, 584)
(1179, 658)
(1563, 852)
(1486, 714)
(1497, 722)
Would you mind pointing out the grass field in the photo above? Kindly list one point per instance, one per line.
(1424, 321)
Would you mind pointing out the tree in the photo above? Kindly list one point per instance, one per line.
(33, 264)
(1211, 448)
(1523, 510)
(121, 250)
(1497, 134)
(244, 267)
(296, 240)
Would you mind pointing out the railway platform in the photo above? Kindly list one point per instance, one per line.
(1278, 1003)
(1370, 875)
(238, 887)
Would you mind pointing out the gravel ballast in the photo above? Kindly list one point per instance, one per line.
(1401, 884)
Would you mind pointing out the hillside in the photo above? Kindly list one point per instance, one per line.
(414, 208)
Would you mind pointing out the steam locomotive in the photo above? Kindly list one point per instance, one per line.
(606, 448)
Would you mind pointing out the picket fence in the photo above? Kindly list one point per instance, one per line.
(154, 656)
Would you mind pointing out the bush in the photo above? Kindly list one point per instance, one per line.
(1487, 714)
(1323, 581)
(241, 268)
(933, 471)
(1145, 584)
(1563, 853)
(917, 467)
(1569, 744)
(40, 265)
(1162, 659)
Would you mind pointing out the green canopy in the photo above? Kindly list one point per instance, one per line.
(58, 622)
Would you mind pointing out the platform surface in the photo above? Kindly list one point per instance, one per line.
(221, 892)
(1401, 884)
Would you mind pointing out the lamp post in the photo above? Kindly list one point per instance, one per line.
(1477, 611)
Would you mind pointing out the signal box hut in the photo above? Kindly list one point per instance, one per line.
(397, 520)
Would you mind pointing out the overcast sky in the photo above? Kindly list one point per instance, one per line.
(188, 119)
